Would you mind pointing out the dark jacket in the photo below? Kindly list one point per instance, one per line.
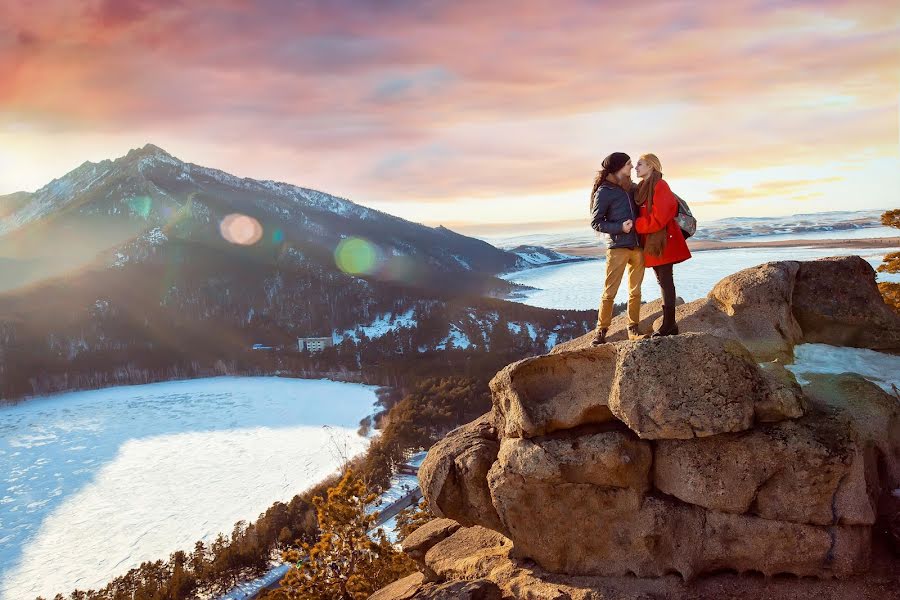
(612, 207)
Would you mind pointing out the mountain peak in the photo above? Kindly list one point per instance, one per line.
(148, 150)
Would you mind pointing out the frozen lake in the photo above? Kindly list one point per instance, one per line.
(96, 482)
(579, 285)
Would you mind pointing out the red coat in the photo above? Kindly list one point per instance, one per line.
(665, 207)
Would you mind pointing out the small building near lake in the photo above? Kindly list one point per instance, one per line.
(314, 344)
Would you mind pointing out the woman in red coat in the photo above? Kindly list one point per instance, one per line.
(661, 236)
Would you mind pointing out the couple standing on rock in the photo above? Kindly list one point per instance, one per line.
(640, 222)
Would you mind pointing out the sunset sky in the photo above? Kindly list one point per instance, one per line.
(464, 113)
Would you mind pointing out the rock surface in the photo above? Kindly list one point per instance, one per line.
(415, 587)
(524, 580)
(873, 413)
(685, 386)
(424, 538)
(618, 328)
(808, 471)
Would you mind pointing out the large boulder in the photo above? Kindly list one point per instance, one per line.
(585, 529)
(837, 302)
(807, 471)
(547, 393)
(577, 503)
(686, 386)
(752, 306)
(758, 303)
(678, 386)
(453, 476)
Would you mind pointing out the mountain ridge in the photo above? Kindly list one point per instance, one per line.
(120, 200)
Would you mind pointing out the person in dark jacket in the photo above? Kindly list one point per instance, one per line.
(613, 212)
(664, 244)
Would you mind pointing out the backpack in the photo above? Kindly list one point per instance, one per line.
(685, 218)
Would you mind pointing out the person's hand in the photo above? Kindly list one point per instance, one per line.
(627, 225)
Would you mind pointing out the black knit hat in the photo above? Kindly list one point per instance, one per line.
(615, 161)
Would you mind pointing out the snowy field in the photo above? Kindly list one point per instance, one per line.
(579, 285)
(96, 482)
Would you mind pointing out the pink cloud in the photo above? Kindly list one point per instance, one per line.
(438, 100)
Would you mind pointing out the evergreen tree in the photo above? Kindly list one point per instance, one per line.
(891, 264)
(345, 563)
(411, 518)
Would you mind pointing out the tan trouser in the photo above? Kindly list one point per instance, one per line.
(616, 261)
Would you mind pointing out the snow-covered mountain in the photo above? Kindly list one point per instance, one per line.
(538, 256)
(150, 190)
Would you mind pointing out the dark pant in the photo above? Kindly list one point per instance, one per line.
(667, 285)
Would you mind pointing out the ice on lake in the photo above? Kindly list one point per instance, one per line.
(878, 367)
(579, 285)
(97, 482)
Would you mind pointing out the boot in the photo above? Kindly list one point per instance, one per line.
(635, 334)
(663, 333)
(599, 337)
(668, 326)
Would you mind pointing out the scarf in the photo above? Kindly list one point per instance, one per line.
(654, 243)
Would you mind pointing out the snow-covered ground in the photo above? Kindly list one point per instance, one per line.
(250, 589)
(400, 485)
(96, 482)
(382, 325)
(878, 367)
(579, 285)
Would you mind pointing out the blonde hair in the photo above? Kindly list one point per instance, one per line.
(653, 161)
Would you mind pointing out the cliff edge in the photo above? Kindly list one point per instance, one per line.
(691, 466)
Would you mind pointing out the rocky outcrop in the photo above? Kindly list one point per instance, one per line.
(681, 386)
(673, 459)
(485, 557)
(420, 541)
(837, 302)
(415, 586)
(774, 306)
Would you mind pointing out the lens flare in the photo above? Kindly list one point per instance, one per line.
(140, 205)
(241, 229)
(356, 256)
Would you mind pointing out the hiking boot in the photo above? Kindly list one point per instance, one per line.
(635, 334)
(599, 337)
(672, 331)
